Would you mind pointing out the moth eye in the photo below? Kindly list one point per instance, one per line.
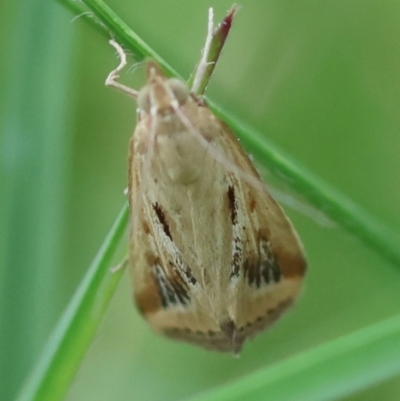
(179, 89)
(143, 100)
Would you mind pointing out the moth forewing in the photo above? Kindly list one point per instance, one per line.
(214, 260)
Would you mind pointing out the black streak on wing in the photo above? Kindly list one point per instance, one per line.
(269, 267)
(172, 287)
(265, 270)
(161, 217)
(171, 290)
(232, 203)
(184, 268)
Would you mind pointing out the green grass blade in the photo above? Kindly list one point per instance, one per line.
(74, 332)
(327, 372)
(34, 156)
(209, 56)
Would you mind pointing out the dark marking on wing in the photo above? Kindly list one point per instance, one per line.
(189, 275)
(252, 205)
(179, 266)
(172, 289)
(166, 285)
(236, 258)
(236, 242)
(265, 269)
(228, 328)
(146, 227)
(269, 267)
(148, 299)
(232, 204)
(161, 217)
(226, 339)
(268, 317)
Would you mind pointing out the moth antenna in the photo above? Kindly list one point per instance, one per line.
(114, 74)
(302, 206)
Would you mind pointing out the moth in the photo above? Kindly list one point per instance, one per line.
(213, 258)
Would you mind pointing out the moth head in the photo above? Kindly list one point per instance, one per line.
(161, 93)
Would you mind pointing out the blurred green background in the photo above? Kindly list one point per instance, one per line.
(320, 78)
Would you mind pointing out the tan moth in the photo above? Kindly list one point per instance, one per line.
(213, 258)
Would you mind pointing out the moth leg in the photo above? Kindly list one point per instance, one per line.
(120, 266)
(114, 74)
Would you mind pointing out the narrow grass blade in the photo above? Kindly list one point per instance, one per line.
(73, 334)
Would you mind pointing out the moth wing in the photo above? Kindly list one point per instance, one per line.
(269, 267)
(166, 291)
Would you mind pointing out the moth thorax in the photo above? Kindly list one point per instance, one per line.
(181, 157)
(162, 95)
